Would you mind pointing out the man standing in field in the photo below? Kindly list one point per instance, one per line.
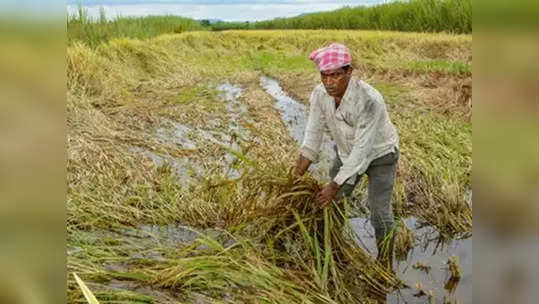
(366, 141)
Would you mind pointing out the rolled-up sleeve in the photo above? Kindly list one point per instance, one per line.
(310, 147)
(357, 161)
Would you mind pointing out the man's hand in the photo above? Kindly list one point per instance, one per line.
(327, 194)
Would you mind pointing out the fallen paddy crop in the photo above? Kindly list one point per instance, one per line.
(282, 249)
(152, 139)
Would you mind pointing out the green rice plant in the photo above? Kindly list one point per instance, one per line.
(441, 65)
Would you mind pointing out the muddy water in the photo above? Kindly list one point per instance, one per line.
(187, 170)
(179, 134)
(294, 116)
(426, 253)
(142, 243)
(188, 137)
(292, 112)
(236, 110)
(154, 236)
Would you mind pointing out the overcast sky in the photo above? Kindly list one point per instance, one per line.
(231, 10)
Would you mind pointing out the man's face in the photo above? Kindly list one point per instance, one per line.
(335, 81)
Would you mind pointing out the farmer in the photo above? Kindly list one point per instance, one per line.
(366, 141)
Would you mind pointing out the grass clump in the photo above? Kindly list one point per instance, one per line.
(204, 98)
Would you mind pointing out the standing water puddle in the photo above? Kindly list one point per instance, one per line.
(294, 116)
(143, 244)
(236, 111)
(188, 137)
(178, 134)
(424, 253)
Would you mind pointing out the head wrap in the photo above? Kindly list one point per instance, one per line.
(331, 57)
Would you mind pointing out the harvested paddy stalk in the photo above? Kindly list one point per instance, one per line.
(282, 249)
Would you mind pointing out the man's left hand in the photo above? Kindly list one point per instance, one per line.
(327, 194)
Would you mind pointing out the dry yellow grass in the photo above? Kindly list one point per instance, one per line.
(120, 94)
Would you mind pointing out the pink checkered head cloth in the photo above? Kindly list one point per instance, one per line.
(331, 57)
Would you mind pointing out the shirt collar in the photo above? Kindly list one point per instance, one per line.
(350, 89)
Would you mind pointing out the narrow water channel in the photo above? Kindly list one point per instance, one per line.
(294, 115)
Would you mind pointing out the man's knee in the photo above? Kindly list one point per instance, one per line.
(380, 194)
(381, 182)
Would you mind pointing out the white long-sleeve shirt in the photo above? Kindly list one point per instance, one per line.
(360, 127)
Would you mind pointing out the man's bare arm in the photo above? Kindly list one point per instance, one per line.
(302, 165)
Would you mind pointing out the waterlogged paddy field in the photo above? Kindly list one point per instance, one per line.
(179, 188)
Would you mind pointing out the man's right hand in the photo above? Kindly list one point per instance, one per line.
(302, 165)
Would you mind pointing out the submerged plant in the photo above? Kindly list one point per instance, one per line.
(454, 274)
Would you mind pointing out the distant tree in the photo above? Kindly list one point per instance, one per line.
(205, 22)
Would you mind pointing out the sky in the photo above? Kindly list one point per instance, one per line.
(231, 10)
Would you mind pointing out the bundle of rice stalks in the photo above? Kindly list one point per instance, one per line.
(281, 249)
